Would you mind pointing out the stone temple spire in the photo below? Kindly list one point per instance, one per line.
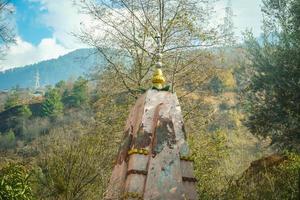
(154, 162)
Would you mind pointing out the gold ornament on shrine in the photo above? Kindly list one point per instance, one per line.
(158, 79)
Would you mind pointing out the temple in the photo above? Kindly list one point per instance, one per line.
(154, 161)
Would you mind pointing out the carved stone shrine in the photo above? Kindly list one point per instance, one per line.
(154, 161)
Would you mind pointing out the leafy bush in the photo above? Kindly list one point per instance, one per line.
(207, 151)
(14, 183)
(77, 168)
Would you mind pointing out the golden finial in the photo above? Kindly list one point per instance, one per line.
(158, 79)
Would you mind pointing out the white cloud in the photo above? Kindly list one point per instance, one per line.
(63, 18)
(24, 53)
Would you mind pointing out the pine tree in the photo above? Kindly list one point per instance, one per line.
(273, 94)
(52, 105)
(78, 96)
(25, 112)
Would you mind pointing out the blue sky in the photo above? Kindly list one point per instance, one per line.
(43, 28)
(28, 21)
(43, 31)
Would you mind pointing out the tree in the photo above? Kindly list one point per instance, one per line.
(75, 166)
(128, 34)
(12, 100)
(271, 98)
(79, 94)
(7, 35)
(24, 111)
(14, 183)
(52, 105)
(61, 84)
(207, 152)
(21, 120)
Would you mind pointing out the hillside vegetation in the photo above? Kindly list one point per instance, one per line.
(69, 66)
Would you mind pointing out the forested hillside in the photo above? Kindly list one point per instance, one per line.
(70, 66)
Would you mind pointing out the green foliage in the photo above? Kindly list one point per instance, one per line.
(12, 100)
(79, 95)
(14, 183)
(60, 84)
(25, 112)
(7, 140)
(52, 105)
(75, 168)
(21, 120)
(208, 151)
(272, 96)
(216, 85)
(224, 106)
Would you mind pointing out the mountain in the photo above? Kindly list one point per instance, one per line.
(72, 65)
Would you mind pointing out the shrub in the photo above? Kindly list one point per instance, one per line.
(14, 183)
(77, 168)
(207, 151)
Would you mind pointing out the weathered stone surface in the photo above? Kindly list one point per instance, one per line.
(117, 180)
(124, 148)
(187, 169)
(155, 125)
(138, 162)
(190, 190)
(135, 184)
(164, 179)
